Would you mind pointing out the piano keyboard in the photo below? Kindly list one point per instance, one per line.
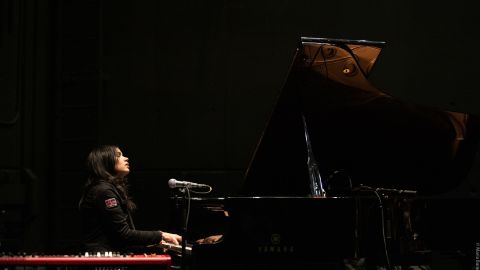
(176, 248)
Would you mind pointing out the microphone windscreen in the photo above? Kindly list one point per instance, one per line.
(172, 183)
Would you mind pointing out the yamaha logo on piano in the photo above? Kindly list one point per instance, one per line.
(275, 249)
(275, 246)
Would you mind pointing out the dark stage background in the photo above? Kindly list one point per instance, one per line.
(185, 89)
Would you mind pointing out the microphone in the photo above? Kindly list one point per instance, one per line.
(397, 191)
(386, 190)
(174, 183)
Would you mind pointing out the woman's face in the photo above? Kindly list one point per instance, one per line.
(122, 168)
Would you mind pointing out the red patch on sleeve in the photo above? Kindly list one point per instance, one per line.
(110, 203)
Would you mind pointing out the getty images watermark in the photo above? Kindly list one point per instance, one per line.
(477, 256)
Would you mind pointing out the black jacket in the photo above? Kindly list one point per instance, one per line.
(107, 224)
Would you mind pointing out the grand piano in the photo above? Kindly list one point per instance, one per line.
(338, 167)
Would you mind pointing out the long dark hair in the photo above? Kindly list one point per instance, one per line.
(101, 167)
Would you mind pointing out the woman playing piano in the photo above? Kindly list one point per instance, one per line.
(105, 206)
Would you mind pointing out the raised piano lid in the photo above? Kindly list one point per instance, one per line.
(373, 138)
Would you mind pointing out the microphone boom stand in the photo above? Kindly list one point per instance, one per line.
(184, 230)
(185, 212)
